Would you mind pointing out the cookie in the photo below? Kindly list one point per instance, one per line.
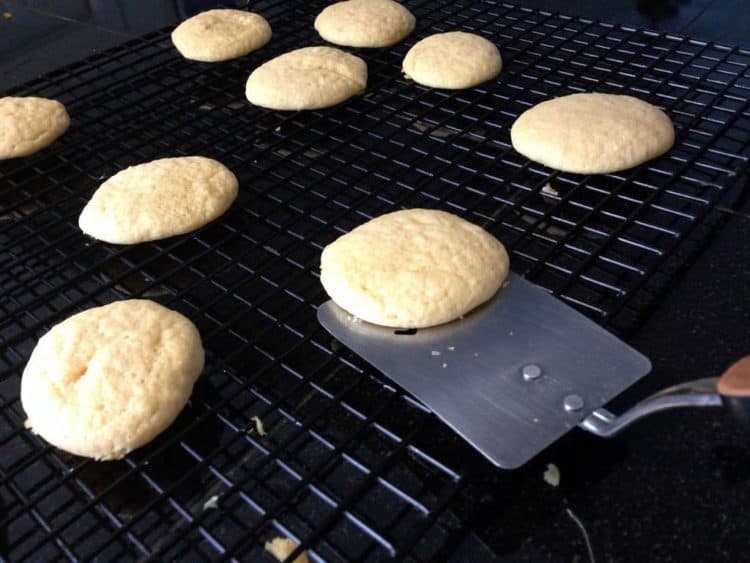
(220, 35)
(28, 124)
(453, 60)
(413, 269)
(592, 133)
(108, 380)
(159, 199)
(308, 78)
(365, 23)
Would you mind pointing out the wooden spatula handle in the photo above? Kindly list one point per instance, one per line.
(735, 381)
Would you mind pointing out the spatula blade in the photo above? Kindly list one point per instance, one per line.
(470, 372)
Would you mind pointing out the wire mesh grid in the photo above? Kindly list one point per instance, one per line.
(349, 467)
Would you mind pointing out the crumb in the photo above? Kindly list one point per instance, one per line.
(552, 475)
(259, 428)
(548, 189)
(278, 128)
(451, 348)
(440, 132)
(445, 365)
(212, 503)
(281, 548)
(7, 16)
(476, 354)
(436, 352)
(536, 420)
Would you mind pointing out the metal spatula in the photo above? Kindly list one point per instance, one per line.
(512, 376)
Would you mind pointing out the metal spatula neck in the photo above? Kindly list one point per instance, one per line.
(698, 393)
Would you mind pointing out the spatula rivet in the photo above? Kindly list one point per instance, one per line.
(573, 403)
(531, 372)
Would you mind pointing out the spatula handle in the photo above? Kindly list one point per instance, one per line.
(734, 388)
(735, 381)
(731, 389)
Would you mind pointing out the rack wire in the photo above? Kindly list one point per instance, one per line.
(350, 467)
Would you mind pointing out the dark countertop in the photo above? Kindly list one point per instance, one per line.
(672, 488)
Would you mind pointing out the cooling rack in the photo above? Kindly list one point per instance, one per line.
(350, 467)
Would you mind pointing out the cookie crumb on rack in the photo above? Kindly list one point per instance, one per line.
(259, 428)
(212, 503)
(281, 548)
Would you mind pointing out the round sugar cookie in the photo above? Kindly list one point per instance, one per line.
(365, 23)
(413, 269)
(108, 380)
(28, 124)
(592, 133)
(453, 60)
(159, 199)
(307, 78)
(220, 35)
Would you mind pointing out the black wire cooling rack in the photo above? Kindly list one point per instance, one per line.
(350, 467)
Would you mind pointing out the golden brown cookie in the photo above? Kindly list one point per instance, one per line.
(592, 133)
(308, 78)
(108, 380)
(28, 124)
(414, 268)
(220, 35)
(365, 23)
(453, 60)
(159, 199)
